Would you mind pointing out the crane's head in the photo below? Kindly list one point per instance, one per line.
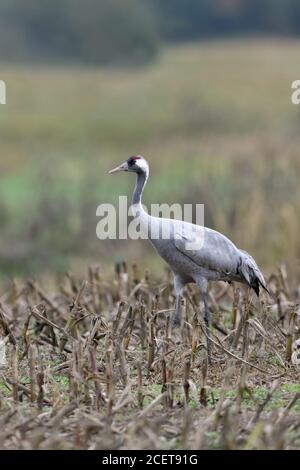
(135, 164)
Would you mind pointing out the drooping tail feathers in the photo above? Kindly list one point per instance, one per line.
(249, 270)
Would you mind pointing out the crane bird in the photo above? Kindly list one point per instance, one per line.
(216, 258)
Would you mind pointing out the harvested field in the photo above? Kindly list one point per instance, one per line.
(95, 364)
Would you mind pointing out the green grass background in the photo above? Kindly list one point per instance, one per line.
(215, 120)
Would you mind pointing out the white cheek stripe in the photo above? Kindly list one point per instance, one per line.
(142, 164)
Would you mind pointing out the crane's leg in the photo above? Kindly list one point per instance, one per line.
(207, 320)
(177, 316)
(203, 286)
(178, 285)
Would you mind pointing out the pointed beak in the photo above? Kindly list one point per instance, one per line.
(122, 167)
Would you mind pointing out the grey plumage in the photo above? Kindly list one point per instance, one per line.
(216, 258)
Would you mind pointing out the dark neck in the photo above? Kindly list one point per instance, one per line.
(139, 187)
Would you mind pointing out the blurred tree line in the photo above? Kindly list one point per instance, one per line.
(192, 19)
(129, 31)
(95, 31)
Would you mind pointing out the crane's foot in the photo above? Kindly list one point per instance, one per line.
(176, 321)
(209, 360)
(208, 347)
(159, 347)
